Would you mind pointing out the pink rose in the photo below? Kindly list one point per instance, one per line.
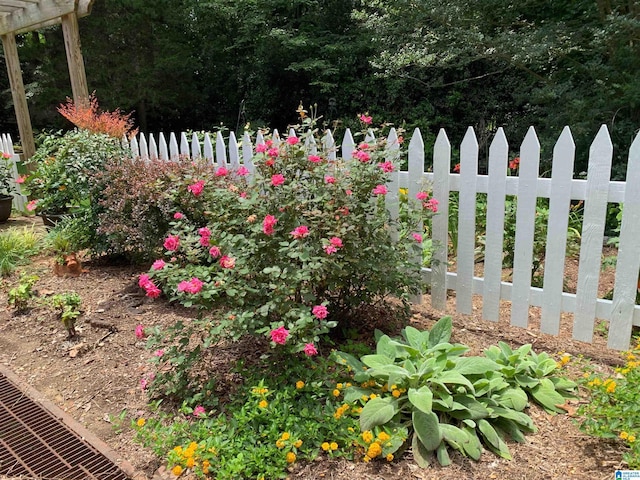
(329, 249)
(292, 140)
(172, 242)
(221, 172)
(336, 242)
(310, 350)
(315, 159)
(158, 353)
(199, 410)
(273, 152)
(152, 290)
(215, 251)
(31, 206)
(366, 119)
(196, 188)
(380, 190)
(417, 237)
(268, 223)
(178, 216)
(422, 195)
(300, 232)
(261, 148)
(386, 167)
(431, 204)
(320, 311)
(277, 179)
(348, 192)
(227, 262)
(279, 335)
(243, 171)
(144, 383)
(143, 280)
(361, 155)
(158, 265)
(192, 286)
(21, 179)
(139, 332)
(329, 179)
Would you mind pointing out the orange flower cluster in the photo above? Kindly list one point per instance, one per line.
(115, 124)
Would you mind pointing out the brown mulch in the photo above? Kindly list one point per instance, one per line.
(97, 377)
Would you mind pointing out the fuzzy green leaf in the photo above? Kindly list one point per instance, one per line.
(545, 394)
(420, 454)
(421, 398)
(443, 455)
(494, 442)
(378, 412)
(475, 365)
(440, 332)
(427, 427)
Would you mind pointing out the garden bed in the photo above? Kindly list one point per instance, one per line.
(97, 377)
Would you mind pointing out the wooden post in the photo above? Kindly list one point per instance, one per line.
(74, 59)
(18, 95)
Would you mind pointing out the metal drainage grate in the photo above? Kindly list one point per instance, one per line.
(34, 443)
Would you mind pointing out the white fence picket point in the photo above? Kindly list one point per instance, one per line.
(595, 210)
(144, 149)
(628, 263)
(195, 147)
(276, 138)
(348, 146)
(311, 145)
(292, 132)
(153, 148)
(329, 145)
(234, 153)
(556, 247)
(498, 158)
(440, 222)
(174, 151)
(5, 143)
(525, 228)
(135, 149)
(247, 152)
(207, 149)
(465, 255)
(163, 150)
(392, 199)
(259, 138)
(184, 145)
(10, 145)
(221, 151)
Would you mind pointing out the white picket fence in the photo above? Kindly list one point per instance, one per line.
(596, 192)
(6, 146)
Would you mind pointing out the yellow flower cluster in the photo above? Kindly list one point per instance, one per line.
(259, 390)
(189, 458)
(299, 384)
(627, 436)
(291, 457)
(326, 446)
(340, 411)
(375, 444)
(564, 359)
(610, 385)
(141, 422)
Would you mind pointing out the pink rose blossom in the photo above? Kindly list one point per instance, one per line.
(269, 143)
(215, 251)
(364, 146)
(192, 286)
(243, 194)
(268, 223)
(300, 232)
(329, 249)
(139, 332)
(152, 290)
(417, 237)
(277, 179)
(243, 171)
(144, 383)
(279, 335)
(365, 119)
(172, 242)
(221, 172)
(204, 232)
(31, 206)
(273, 152)
(261, 148)
(348, 192)
(158, 353)
(158, 265)
(380, 190)
(336, 242)
(431, 204)
(422, 195)
(315, 159)
(361, 155)
(292, 140)
(196, 188)
(143, 280)
(329, 179)
(21, 179)
(227, 262)
(199, 410)
(320, 311)
(310, 350)
(178, 216)
(386, 167)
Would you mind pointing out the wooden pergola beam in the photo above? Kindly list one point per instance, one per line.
(74, 59)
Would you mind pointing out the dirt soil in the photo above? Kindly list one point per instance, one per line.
(98, 376)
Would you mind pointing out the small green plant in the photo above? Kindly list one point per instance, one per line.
(67, 305)
(447, 400)
(16, 246)
(20, 295)
(613, 409)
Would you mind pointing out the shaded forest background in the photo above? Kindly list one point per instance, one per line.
(199, 64)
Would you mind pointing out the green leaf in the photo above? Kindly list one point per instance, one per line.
(377, 361)
(473, 409)
(454, 436)
(494, 442)
(475, 365)
(351, 394)
(522, 419)
(443, 455)
(455, 378)
(510, 428)
(472, 446)
(526, 381)
(545, 394)
(415, 337)
(378, 412)
(514, 398)
(347, 359)
(385, 347)
(440, 332)
(427, 427)
(421, 398)
(420, 454)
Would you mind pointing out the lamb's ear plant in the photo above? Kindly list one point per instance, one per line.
(447, 400)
